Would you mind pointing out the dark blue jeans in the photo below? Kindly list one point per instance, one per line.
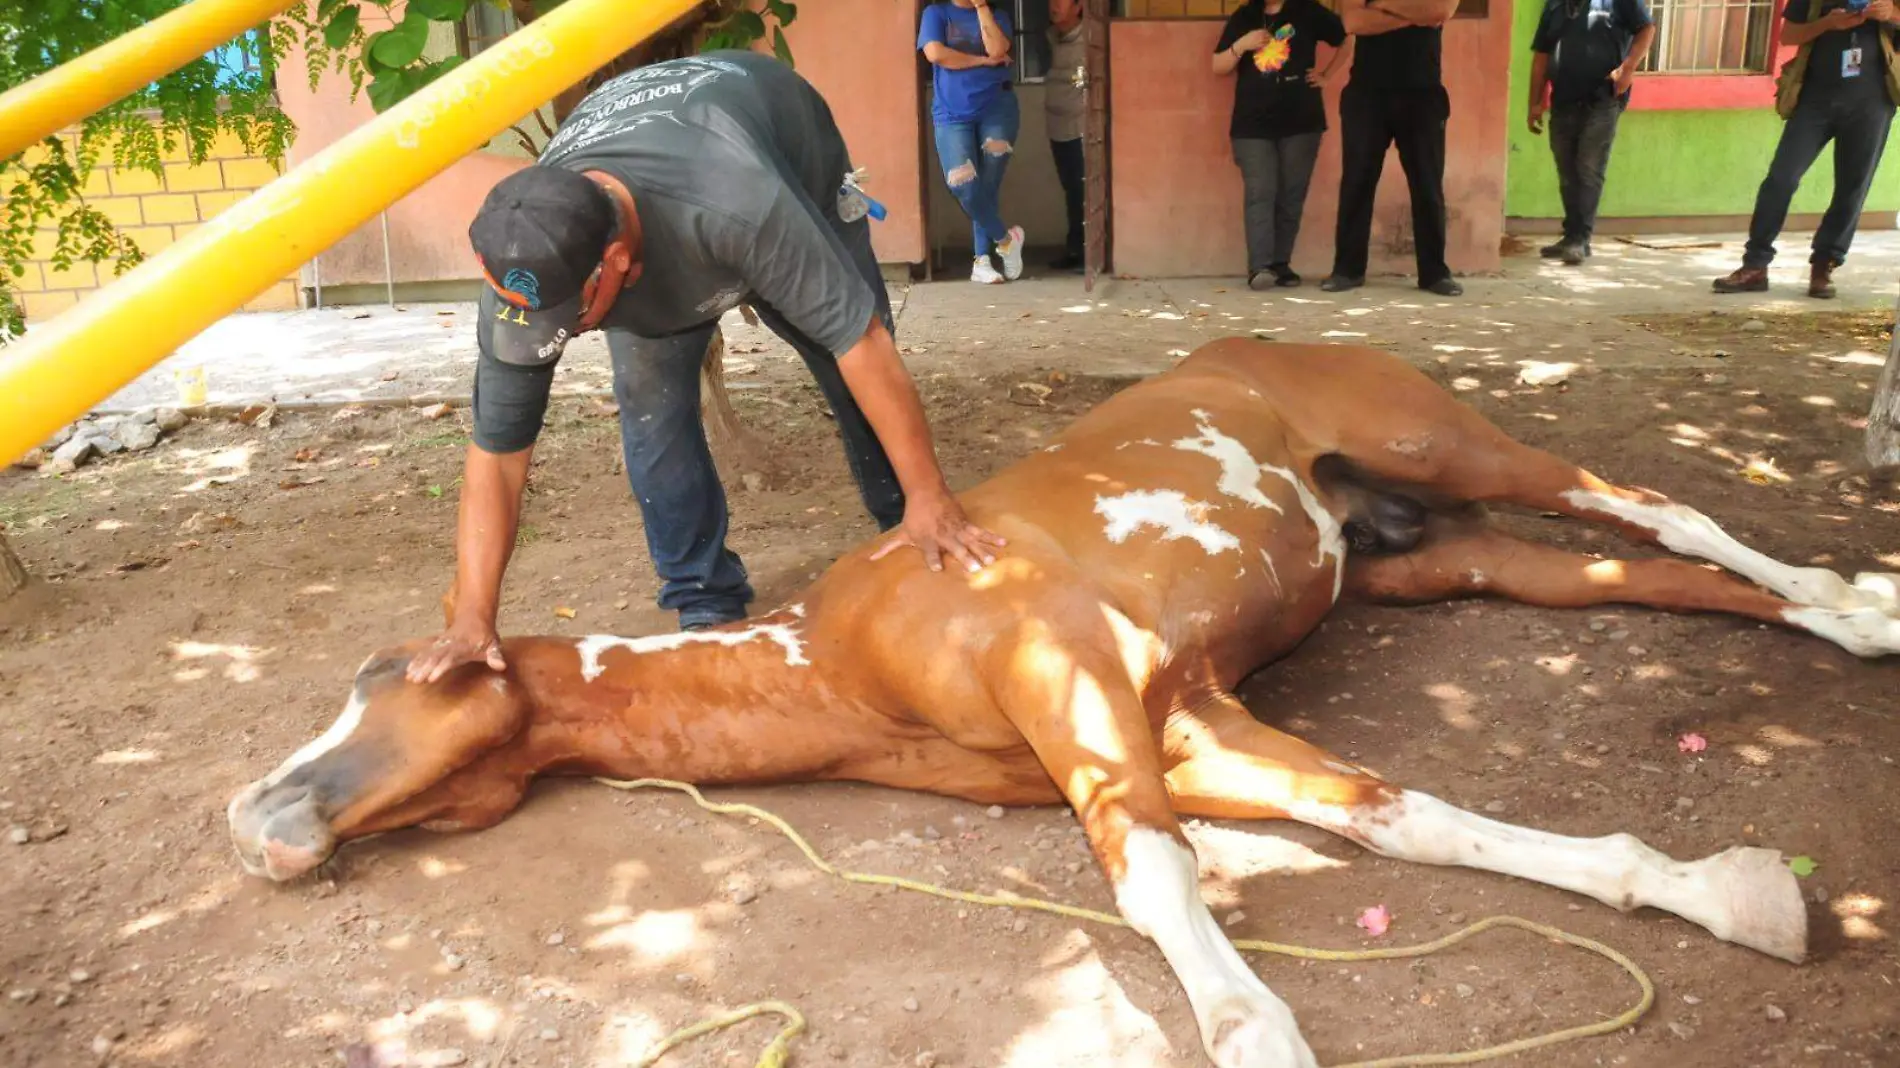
(1580, 140)
(974, 156)
(1857, 125)
(670, 468)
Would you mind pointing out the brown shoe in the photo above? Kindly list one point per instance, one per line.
(1744, 280)
(1821, 281)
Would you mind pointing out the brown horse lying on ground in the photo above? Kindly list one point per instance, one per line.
(1183, 534)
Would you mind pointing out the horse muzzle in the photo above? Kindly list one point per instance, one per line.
(279, 831)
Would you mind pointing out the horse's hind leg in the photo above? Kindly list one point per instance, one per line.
(1426, 440)
(1480, 561)
(1227, 765)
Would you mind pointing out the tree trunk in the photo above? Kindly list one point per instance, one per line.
(1883, 419)
(12, 573)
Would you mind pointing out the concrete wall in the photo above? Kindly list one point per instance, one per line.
(1668, 163)
(154, 211)
(1175, 191)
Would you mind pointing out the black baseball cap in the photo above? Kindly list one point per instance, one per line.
(538, 237)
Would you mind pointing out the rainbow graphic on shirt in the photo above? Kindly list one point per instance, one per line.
(1278, 50)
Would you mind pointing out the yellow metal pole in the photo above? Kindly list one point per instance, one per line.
(123, 66)
(72, 362)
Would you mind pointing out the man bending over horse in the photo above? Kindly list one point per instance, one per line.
(670, 195)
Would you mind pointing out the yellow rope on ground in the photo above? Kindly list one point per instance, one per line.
(775, 1055)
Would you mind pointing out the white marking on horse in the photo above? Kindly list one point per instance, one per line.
(1272, 572)
(1618, 870)
(1169, 511)
(338, 733)
(1159, 895)
(1865, 632)
(1684, 530)
(1240, 479)
(592, 647)
(1239, 473)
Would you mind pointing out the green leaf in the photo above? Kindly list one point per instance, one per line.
(1802, 866)
(328, 8)
(440, 10)
(336, 32)
(437, 69)
(402, 45)
(781, 47)
(745, 25)
(389, 88)
(786, 13)
(434, 491)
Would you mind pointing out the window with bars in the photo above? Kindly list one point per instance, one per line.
(483, 27)
(1711, 37)
(1029, 49)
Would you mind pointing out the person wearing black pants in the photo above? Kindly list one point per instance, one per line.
(1271, 47)
(1585, 53)
(1844, 96)
(1065, 108)
(1396, 96)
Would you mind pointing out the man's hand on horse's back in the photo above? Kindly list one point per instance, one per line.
(465, 642)
(937, 526)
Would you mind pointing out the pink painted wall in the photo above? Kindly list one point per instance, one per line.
(873, 92)
(1175, 190)
(428, 229)
(862, 56)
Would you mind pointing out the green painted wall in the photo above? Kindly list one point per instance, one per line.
(1666, 162)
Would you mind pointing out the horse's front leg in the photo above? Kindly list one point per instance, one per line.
(1075, 705)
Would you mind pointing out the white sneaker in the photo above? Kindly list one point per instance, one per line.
(983, 273)
(1012, 253)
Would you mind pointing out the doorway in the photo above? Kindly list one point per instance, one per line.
(1032, 194)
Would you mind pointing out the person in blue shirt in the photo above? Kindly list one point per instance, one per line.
(974, 111)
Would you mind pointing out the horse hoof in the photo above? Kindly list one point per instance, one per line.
(1880, 589)
(1765, 909)
(1257, 1034)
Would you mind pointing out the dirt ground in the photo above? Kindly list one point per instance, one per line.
(207, 603)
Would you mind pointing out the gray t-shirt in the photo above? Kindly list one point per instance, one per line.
(735, 165)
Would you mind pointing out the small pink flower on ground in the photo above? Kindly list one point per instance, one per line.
(1375, 920)
(1691, 743)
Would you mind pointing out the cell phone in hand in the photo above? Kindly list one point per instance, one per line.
(1856, 6)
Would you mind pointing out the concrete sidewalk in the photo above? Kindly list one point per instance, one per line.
(1532, 309)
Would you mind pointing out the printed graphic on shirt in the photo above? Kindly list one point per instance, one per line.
(1279, 48)
(1599, 13)
(659, 89)
(962, 39)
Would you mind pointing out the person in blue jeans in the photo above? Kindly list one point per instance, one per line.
(1842, 94)
(976, 116)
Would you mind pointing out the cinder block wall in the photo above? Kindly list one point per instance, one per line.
(154, 212)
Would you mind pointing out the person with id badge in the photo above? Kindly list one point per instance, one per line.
(1841, 87)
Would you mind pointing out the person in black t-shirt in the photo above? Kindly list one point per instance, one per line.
(1272, 49)
(1396, 95)
(1843, 97)
(1585, 52)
